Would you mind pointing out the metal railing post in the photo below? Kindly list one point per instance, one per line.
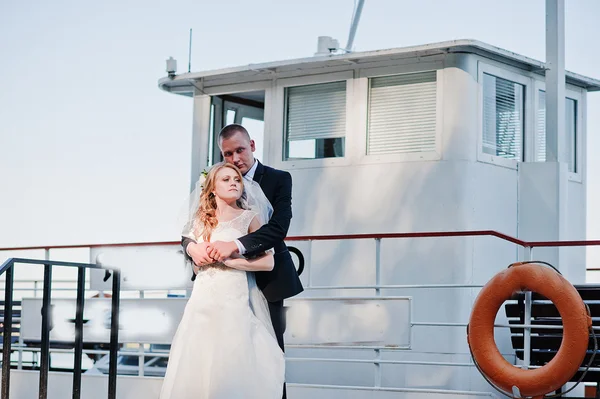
(78, 333)
(7, 330)
(309, 269)
(378, 370)
(20, 356)
(114, 335)
(45, 346)
(141, 359)
(378, 266)
(527, 320)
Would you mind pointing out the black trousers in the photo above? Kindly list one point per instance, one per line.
(278, 320)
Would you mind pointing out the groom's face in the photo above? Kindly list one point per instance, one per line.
(239, 150)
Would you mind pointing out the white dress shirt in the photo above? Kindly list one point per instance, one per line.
(250, 173)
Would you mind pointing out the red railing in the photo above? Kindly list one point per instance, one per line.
(467, 233)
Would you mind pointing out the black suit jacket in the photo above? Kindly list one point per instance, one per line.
(282, 282)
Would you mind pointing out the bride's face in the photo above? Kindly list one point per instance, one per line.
(228, 185)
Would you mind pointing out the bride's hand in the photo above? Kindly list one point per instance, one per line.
(221, 250)
(199, 253)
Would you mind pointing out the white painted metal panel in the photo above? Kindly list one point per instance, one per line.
(333, 392)
(349, 321)
(142, 268)
(24, 385)
(576, 227)
(140, 320)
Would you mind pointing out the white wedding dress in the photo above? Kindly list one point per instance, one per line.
(225, 347)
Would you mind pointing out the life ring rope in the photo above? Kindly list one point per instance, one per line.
(590, 328)
(537, 262)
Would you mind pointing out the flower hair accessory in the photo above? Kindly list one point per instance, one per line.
(202, 178)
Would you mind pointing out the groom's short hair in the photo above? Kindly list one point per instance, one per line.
(232, 129)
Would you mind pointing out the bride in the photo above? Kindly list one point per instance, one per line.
(225, 345)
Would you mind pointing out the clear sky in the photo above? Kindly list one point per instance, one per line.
(93, 152)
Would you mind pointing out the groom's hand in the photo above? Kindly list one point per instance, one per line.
(221, 250)
(198, 253)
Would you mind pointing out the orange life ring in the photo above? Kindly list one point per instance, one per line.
(576, 325)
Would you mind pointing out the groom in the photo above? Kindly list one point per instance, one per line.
(282, 282)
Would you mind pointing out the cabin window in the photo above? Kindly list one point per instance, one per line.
(402, 114)
(503, 117)
(570, 130)
(315, 121)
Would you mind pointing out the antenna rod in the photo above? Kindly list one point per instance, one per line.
(354, 25)
(190, 53)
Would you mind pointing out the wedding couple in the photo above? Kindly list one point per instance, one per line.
(229, 343)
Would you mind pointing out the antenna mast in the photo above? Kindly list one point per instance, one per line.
(354, 26)
(190, 53)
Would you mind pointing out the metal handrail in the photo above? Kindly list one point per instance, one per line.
(423, 234)
(7, 267)
(527, 245)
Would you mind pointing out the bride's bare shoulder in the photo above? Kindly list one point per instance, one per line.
(254, 223)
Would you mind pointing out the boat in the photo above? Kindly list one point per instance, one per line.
(418, 174)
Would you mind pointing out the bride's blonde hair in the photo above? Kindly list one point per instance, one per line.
(206, 216)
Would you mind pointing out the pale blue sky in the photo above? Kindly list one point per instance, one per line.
(94, 152)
